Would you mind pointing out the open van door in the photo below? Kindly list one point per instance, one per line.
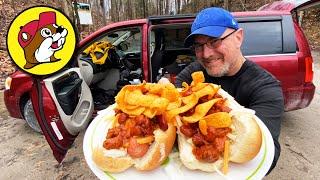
(63, 106)
(289, 5)
(304, 4)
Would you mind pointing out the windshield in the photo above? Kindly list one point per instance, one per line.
(115, 36)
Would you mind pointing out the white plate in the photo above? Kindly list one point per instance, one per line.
(254, 169)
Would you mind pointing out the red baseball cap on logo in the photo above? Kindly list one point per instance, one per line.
(31, 28)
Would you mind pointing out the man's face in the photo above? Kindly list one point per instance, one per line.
(218, 57)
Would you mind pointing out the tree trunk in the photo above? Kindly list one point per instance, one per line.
(77, 19)
(67, 9)
(113, 10)
(167, 7)
(160, 7)
(178, 6)
(129, 9)
(119, 9)
(300, 19)
(103, 12)
(147, 8)
(226, 4)
(156, 5)
(143, 8)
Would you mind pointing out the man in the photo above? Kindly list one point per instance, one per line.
(216, 40)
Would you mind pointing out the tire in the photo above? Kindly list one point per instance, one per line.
(30, 117)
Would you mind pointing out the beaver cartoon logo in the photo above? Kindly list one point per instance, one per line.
(41, 38)
(46, 41)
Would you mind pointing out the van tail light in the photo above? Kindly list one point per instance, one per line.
(309, 69)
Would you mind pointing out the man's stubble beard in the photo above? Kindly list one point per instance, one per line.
(223, 71)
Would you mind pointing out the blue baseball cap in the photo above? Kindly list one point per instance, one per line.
(211, 22)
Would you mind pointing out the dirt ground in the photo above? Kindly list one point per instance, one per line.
(26, 155)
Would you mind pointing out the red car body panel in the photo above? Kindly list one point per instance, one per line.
(260, 13)
(45, 110)
(300, 96)
(276, 62)
(145, 54)
(278, 6)
(21, 86)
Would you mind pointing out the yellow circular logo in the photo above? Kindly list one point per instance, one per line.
(41, 40)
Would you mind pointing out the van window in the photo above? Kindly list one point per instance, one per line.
(130, 38)
(262, 38)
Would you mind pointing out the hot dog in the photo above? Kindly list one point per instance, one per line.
(214, 129)
(140, 134)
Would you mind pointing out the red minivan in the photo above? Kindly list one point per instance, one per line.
(147, 49)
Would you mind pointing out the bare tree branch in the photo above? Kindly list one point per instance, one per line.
(243, 6)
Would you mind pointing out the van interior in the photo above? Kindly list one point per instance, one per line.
(123, 62)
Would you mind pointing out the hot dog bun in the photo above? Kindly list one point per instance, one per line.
(246, 130)
(248, 137)
(245, 139)
(117, 160)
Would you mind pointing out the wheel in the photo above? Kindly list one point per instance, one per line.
(30, 117)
